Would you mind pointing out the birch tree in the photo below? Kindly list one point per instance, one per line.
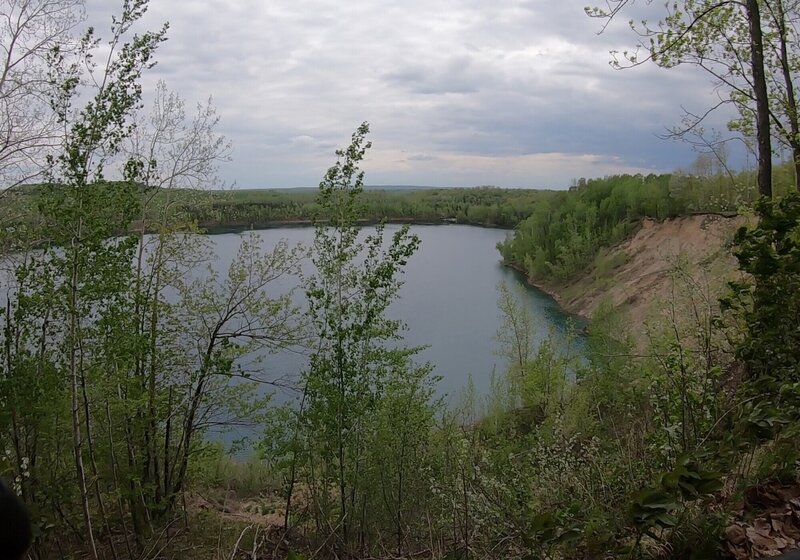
(81, 274)
(33, 33)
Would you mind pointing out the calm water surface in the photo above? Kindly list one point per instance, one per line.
(448, 301)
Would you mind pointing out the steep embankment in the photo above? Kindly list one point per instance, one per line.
(637, 274)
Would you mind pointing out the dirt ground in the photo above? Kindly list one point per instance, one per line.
(638, 274)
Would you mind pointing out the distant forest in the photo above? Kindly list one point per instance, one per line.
(601, 211)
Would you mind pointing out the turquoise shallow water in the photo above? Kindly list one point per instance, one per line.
(448, 302)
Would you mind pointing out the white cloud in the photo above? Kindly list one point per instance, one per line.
(511, 92)
(539, 170)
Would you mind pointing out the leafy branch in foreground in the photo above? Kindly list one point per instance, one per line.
(360, 375)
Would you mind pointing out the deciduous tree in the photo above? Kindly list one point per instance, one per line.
(33, 34)
(727, 39)
(359, 365)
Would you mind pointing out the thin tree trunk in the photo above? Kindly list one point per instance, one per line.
(293, 471)
(189, 425)
(77, 440)
(153, 428)
(149, 474)
(188, 429)
(167, 443)
(115, 481)
(15, 430)
(400, 471)
(136, 511)
(93, 463)
(791, 99)
(762, 99)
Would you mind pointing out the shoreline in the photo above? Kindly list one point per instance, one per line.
(542, 288)
(254, 226)
(551, 292)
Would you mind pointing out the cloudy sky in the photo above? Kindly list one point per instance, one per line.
(513, 93)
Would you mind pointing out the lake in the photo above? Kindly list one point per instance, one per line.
(448, 302)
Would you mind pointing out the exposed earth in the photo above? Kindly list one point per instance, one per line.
(641, 273)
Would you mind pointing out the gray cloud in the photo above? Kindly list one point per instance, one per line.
(458, 92)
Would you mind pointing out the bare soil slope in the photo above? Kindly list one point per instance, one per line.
(637, 275)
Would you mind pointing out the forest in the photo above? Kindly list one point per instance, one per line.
(485, 206)
(117, 361)
(217, 211)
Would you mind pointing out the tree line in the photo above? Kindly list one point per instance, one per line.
(242, 209)
(487, 206)
(563, 234)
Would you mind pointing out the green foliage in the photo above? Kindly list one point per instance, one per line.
(567, 232)
(514, 337)
(770, 254)
(562, 236)
(113, 364)
(72, 291)
(246, 209)
(713, 192)
(767, 306)
(684, 377)
(367, 412)
(687, 481)
(610, 387)
(213, 468)
(544, 380)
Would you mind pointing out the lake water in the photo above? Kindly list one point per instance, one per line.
(448, 301)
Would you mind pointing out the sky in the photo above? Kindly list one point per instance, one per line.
(511, 93)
